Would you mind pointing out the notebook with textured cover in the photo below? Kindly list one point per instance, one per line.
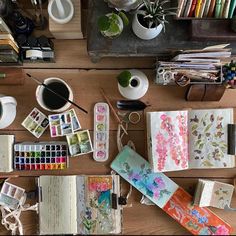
(6, 153)
(179, 140)
(213, 193)
(79, 205)
(166, 194)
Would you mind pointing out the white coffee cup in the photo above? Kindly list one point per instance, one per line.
(7, 110)
(61, 11)
(40, 92)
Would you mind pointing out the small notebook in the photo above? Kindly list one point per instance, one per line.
(166, 194)
(6, 153)
(213, 193)
(79, 205)
(179, 140)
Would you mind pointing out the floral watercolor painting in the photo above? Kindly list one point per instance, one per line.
(96, 211)
(137, 171)
(197, 220)
(168, 135)
(208, 138)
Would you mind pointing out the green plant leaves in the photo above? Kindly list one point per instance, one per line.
(124, 78)
(103, 23)
(114, 28)
(124, 18)
(155, 12)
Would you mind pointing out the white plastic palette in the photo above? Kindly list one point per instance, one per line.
(36, 122)
(64, 124)
(11, 195)
(101, 132)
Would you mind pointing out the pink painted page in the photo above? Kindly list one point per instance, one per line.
(167, 138)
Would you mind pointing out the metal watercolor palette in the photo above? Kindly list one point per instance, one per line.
(41, 156)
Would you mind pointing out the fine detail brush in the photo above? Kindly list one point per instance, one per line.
(57, 94)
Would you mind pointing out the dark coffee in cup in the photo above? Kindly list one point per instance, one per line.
(51, 100)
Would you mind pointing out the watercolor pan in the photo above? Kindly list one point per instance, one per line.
(64, 123)
(41, 156)
(101, 132)
(36, 122)
(79, 143)
(11, 195)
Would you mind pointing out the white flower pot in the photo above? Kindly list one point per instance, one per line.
(143, 32)
(137, 87)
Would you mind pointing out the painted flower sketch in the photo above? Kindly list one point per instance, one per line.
(171, 141)
(154, 187)
(97, 216)
(208, 139)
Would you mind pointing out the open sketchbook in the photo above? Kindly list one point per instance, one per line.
(166, 194)
(79, 205)
(213, 193)
(179, 140)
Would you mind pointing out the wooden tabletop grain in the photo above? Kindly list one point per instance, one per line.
(74, 66)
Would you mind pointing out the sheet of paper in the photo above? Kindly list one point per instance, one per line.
(208, 138)
(57, 209)
(167, 135)
(205, 192)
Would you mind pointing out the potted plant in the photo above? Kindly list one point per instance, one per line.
(132, 84)
(111, 25)
(150, 18)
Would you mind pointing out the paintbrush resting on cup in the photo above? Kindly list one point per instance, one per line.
(57, 94)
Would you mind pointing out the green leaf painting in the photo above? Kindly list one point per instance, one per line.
(208, 137)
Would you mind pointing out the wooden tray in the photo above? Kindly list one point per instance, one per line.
(212, 30)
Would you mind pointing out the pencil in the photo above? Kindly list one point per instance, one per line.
(113, 110)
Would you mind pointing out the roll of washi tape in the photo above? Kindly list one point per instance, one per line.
(134, 117)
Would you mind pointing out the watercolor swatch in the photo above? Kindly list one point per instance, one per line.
(36, 122)
(79, 143)
(10, 195)
(64, 123)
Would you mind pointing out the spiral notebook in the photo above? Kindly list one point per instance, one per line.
(79, 205)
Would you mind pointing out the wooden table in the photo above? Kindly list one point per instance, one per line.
(74, 66)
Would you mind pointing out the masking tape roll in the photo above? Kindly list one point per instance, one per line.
(34, 54)
(134, 117)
